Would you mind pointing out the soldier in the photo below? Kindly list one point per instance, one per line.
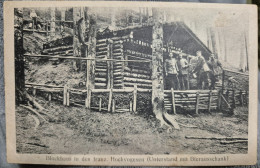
(202, 71)
(183, 72)
(171, 71)
(215, 67)
(33, 16)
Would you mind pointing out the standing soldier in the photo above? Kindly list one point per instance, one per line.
(202, 71)
(171, 71)
(183, 72)
(215, 67)
(33, 16)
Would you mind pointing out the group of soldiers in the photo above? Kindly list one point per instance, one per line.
(179, 70)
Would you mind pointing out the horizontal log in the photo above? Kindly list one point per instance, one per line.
(100, 79)
(139, 85)
(36, 84)
(137, 80)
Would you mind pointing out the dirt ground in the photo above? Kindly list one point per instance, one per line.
(76, 130)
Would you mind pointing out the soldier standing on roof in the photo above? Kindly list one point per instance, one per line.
(202, 71)
(215, 67)
(171, 71)
(183, 72)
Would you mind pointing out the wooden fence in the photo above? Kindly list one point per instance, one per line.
(186, 99)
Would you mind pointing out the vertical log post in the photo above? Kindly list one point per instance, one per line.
(197, 102)
(68, 97)
(157, 65)
(113, 105)
(130, 106)
(88, 99)
(52, 26)
(135, 98)
(210, 100)
(65, 90)
(173, 101)
(110, 100)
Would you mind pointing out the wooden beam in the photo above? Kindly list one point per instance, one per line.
(65, 95)
(210, 100)
(173, 101)
(110, 100)
(68, 98)
(134, 98)
(197, 102)
(100, 104)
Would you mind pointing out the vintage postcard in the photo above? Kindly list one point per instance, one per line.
(130, 83)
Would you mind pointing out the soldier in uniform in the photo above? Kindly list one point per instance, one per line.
(183, 66)
(202, 70)
(171, 71)
(215, 67)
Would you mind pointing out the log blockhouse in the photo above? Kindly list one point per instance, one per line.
(132, 43)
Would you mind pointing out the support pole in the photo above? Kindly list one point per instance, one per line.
(65, 90)
(173, 101)
(210, 100)
(135, 98)
(68, 97)
(88, 99)
(110, 100)
(130, 106)
(113, 105)
(197, 102)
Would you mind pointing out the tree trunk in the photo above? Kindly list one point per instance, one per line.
(19, 58)
(90, 71)
(76, 43)
(157, 65)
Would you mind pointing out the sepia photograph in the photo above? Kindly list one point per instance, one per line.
(131, 80)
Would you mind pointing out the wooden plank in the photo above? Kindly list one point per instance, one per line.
(130, 106)
(68, 98)
(210, 101)
(110, 100)
(113, 105)
(197, 102)
(65, 95)
(173, 101)
(134, 98)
